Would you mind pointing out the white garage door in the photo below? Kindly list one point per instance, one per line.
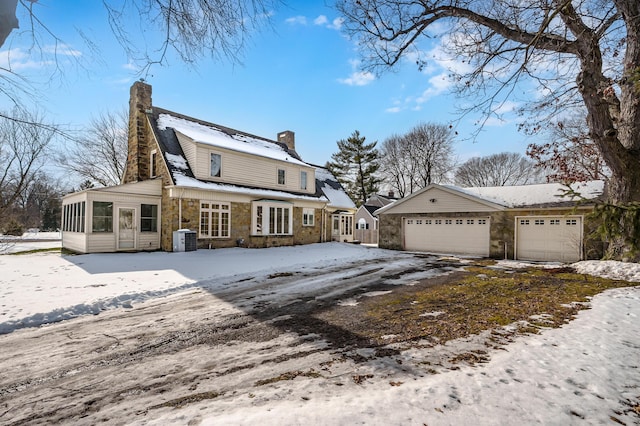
(549, 238)
(457, 235)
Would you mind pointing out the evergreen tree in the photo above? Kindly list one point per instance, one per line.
(355, 166)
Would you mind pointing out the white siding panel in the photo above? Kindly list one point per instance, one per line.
(152, 187)
(250, 170)
(101, 242)
(75, 241)
(456, 235)
(436, 200)
(189, 149)
(549, 238)
(149, 240)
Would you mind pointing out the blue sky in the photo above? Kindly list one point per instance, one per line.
(301, 75)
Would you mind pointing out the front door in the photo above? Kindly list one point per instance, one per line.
(126, 231)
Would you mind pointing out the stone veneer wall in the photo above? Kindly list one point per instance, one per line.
(240, 226)
(502, 230)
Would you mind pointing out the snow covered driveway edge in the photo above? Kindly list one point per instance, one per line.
(44, 288)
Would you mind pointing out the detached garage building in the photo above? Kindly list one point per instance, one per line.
(529, 222)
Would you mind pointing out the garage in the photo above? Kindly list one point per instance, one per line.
(456, 235)
(549, 238)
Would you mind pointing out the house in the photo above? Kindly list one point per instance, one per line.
(225, 186)
(366, 230)
(530, 222)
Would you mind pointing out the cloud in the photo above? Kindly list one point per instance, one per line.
(336, 24)
(19, 60)
(130, 66)
(393, 110)
(358, 78)
(320, 20)
(297, 20)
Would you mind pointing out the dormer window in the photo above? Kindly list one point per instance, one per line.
(216, 165)
(281, 177)
(303, 180)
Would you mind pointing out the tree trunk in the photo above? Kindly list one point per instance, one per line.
(614, 123)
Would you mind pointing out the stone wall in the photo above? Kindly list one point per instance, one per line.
(240, 233)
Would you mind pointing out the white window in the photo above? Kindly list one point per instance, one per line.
(427, 222)
(554, 221)
(438, 222)
(152, 164)
(482, 221)
(281, 177)
(572, 222)
(538, 222)
(524, 221)
(308, 217)
(447, 222)
(272, 218)
(303, 180)
(216, 165)
(419, 222)
(215, 220)
(410, 222)
(469, 221)
(458, 221)
(346, 225)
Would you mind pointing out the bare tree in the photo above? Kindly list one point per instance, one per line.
(23, 152)
(149, 31)
(582, 52)
(106, 142)
(506, 168)
(418, 158)
(570, 155)
(396, 170)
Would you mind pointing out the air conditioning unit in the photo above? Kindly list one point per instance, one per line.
(184, 240)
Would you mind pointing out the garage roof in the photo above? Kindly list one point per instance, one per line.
(540, 195)
(521, 196)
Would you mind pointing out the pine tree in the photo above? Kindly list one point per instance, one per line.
(355, 166)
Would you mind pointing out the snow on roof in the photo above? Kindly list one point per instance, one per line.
(180, 179)
(214, 136)
(332, 189)
(531, 195)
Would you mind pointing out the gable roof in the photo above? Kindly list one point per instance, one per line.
(513, 197)
(371, 209)
(224, 137)
(166, 123)
(539, 195)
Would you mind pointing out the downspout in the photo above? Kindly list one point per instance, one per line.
(323, 225)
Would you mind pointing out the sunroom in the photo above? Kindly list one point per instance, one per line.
(119, 218)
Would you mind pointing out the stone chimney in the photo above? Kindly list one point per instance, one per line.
(138, 151)
(289, 138)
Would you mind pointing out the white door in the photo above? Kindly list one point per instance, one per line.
(456, 235)
(126, 228)
(549, 238)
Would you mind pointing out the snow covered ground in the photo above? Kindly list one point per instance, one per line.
(587, 372)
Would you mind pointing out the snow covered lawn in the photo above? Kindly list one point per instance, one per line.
(195, 338)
